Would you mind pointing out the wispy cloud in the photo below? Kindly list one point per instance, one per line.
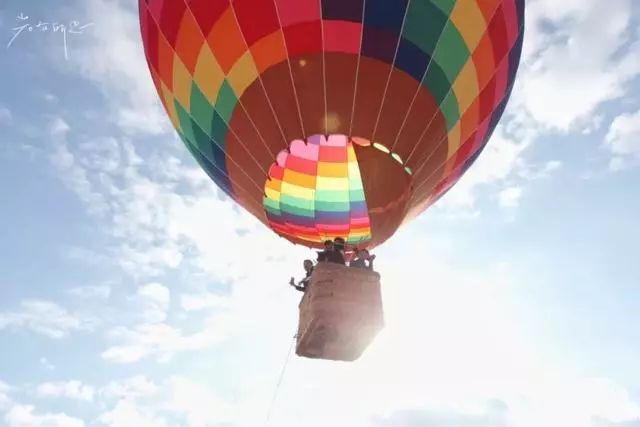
(49, 97)
(112, 57)
(559, 86)
(4, 395)
(76, 177)
(510, 197)
(100, 292)
(44, 362)
(623, 140)
(159, 209)
(45, 318)
(162, 340)
(127, 413)
(544, 171)
(594, 402)
(25, 416)
(5, 115)
(440, 418)
(160, 215)
(70, 389)
(203, 301)
(130, 388)
(155, 299)
(58, 127)
(85, 255)
(198, 403)
(501, 159)
(194, 403)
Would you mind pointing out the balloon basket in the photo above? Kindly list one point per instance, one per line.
(340, 314)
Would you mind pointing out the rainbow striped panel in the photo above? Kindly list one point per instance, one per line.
(314, 192)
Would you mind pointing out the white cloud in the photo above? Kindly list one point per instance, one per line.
(157, 211)
(69, 389)
(559, 88)
(91, 292)
(24, 416)
(623, 140)
(85, 255)
(76, 177)
(126, 353)
(111, 180)
(178, 396)
(155, 299)
(155, 293)
(162, 340)
(59, 127)
(501, 158)
(127, 413)
(440, 418)
(45, 318)
(200, 405)
(4, 395)
(617, 164)
(553, 402)
(100, 155)
(21, 415)
(223, 246)
(5, 115)
(203, 301)
(502, 162)
(130, 388)
(449, 347)
(113, 58)
(568, 72)
(46, 364)
(510, 197)
(140, 260)
(598, 422)
(154, 223)
(531, 172)
(546, 403)
(49, 97)
(549, 167)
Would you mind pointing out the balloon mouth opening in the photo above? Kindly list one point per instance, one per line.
(315, 189)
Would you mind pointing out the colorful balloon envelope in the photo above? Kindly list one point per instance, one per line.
(334, 118)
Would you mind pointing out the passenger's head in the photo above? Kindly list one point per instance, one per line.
(308, 264)
(363, 253)
(328, 245)
(338, 243)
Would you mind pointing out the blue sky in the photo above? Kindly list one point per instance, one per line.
(135, 294)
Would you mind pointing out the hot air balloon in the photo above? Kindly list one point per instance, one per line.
(334, 118)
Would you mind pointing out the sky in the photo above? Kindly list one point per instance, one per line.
(134, 293)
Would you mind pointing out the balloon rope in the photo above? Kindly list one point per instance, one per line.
(391, 67)
(282, 372)
(293, 83)
(355, 83)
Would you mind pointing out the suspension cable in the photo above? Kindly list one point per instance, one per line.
(282, 372)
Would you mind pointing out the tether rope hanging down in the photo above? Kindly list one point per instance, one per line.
(282, 372)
